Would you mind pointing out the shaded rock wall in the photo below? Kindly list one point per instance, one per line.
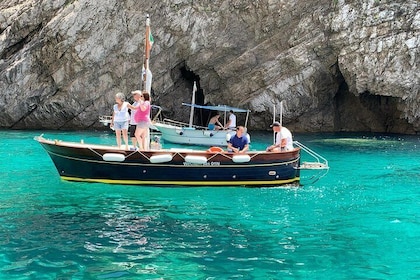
(337, 65)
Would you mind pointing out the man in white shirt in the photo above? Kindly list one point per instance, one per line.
(136, 96)
(284, 140)
(231, 124)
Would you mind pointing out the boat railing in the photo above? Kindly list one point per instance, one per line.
(320, 163)
(105, 120)
(178, 123)
(319, 167)
(157, 115)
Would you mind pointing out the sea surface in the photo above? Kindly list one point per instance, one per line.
(361, 220)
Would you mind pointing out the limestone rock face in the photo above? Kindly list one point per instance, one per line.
(336, 65)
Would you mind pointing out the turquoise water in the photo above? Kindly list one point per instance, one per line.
(360, 221)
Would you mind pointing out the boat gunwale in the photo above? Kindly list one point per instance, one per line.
(180, 151)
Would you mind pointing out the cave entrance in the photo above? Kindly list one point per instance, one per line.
(368, 112)
(201, 116)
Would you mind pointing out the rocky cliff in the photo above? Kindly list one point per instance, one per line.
(338, 65)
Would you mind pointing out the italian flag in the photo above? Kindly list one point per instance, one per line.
(151, 40)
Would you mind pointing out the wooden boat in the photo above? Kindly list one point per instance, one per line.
(172, 167)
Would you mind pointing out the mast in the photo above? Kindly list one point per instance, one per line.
(192, 103)
(147, 74)
(281, 113)
(274, 119)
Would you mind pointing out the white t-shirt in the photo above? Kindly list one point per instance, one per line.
(285, 134)
(121, 115)
(133, 112)
(232, 119)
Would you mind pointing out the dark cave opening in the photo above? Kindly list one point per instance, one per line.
(368, 112)
(201, 116)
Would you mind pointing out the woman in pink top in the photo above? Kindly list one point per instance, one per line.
(142, 117)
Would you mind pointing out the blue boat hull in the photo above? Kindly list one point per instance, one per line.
(79, 162)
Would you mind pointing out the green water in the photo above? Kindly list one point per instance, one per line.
(360, 221)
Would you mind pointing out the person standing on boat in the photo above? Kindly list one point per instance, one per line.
(214, 123)
(239, 142)
(284, 140)
(133, 124)
(231, 124)
(142, 117)
(120, 118)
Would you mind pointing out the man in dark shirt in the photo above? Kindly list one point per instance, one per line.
(239, 143)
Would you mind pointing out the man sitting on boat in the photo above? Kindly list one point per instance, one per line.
(214, 123)
(239, 142)
(284, 140)
(231, 124)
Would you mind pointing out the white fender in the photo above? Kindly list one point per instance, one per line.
(113, 157)
(160, 158)
(241, 158)
(208, 133)
(249, 137)
(229, 135)
(196, 159)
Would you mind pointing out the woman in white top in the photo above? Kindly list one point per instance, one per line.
(120, 119)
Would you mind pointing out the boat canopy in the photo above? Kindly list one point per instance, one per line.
(221, 108)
